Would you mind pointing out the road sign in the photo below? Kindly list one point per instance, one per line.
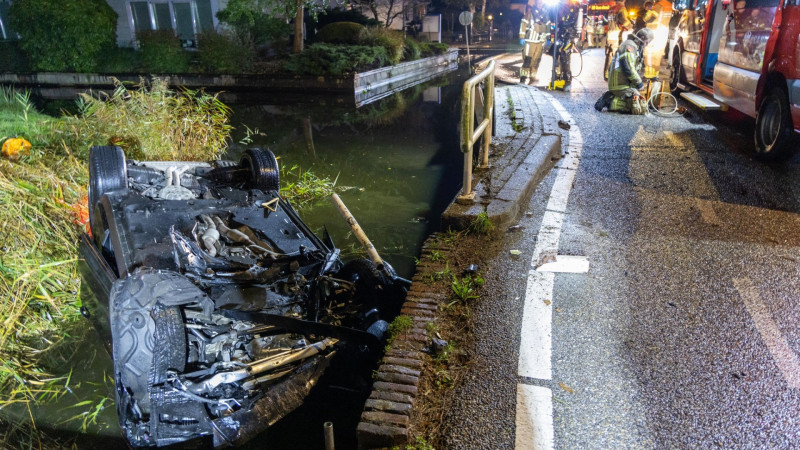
(465, 18)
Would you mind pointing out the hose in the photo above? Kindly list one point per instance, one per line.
(657, 111)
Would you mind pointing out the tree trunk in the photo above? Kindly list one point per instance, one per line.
(298, 28)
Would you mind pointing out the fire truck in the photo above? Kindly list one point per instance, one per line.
(742, 54)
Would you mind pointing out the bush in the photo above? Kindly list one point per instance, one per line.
(153, 122)
(432, 49)
(390, 40)
(411, 49)
(223, 53)
(250, 24)
(12, 58)
(119, 60)
(62, 36)
(336, 60)
(161, 52)
(342, 15)
(340, 33)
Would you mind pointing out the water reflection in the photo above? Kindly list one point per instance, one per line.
(396, 163)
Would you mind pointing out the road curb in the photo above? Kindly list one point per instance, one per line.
(502, 192)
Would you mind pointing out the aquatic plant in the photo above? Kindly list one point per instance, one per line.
(152, 122)
(303, 186)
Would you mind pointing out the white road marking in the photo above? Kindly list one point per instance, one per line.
(536, 333)
(534, 418)
(566, 264)
(534, 431)
(784, 357)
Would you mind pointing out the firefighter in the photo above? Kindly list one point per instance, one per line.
(619, 26)
(648, 18)
(624, 81)
(568, 29)
(532, 34)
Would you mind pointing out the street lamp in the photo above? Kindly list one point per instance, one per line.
(491, 25)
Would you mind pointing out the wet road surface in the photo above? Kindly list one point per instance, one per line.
(683, 332)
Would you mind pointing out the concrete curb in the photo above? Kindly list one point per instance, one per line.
(502, 191)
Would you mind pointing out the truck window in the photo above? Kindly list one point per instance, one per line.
(747, 30)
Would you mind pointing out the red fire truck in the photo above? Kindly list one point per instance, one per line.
(742, 54)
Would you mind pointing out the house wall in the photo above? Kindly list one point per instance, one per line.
(125, 36)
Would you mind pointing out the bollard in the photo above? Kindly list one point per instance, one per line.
(328, 427)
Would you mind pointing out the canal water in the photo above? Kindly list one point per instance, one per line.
(396, 164)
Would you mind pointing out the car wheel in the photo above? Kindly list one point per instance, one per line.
(263, 167)
(773, 133)
(676, 72)
(148, 339)
(107, 173)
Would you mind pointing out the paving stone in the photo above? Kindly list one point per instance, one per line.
(394, 387)
(371, 435)
(392, 396)
(399, 369)
(383, 418)
(386, 405)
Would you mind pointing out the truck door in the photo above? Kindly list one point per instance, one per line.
(716, 26)
(741, 55)
(692, 28)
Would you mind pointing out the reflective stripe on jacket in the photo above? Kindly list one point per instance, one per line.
(623, 73)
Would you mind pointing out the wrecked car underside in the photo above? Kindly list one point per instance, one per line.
(221, 308)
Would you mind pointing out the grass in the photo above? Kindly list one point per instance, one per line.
(465, 288)
(512, 114)
(481, 224)
(399, 325)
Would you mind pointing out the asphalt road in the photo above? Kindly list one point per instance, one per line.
(683, 333)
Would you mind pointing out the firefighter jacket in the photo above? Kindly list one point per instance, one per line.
(623, 71)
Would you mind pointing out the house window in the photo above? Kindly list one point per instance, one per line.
(186, 18)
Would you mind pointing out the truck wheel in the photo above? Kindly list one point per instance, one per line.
(107, 172)
(676, 72)
(773, 133)
(147, 338)
(263, 167)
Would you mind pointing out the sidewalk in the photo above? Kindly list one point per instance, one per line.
(526, 146)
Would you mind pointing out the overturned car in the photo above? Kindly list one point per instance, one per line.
(221, 308)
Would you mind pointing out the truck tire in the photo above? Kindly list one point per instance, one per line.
(774, 129)
(107, 173)
(147, 338)
(263, 167)
(676, 72)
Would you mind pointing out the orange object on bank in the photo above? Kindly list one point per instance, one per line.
(14, 148)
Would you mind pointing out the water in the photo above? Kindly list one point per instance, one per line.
(397, 165)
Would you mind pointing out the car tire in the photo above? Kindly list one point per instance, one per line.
(147, 338)
(676, 72)
(774, 129)
(107, 173)
(263, 167)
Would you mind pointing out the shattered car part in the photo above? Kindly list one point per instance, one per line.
(220, 307)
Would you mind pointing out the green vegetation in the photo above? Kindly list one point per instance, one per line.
(436, 255)
(223, 53)
(250, 25)
(327, 59)
(162, 52)
(512, 113)
(340, 33)
(303, 186)
(399, 325)
(481, 224)
(390, 40)
(466, 288)
(64, 36)
(153, 122)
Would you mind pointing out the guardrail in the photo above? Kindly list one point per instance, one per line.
(478, 89)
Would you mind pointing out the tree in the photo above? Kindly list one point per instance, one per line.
(248, 10)
(386, 11)
(68, 35)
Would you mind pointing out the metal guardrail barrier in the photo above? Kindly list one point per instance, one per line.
(478, 91)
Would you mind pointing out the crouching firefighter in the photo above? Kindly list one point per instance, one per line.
(624, 81)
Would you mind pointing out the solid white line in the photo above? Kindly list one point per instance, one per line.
(566, 264)
(536, 335)
(784, 357)
(534, 431)
(534, 419)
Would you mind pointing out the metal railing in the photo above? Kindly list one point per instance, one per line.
(477, 90)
